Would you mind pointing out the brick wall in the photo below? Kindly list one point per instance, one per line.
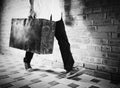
(94, 35)
(96, 45)
(101, 19)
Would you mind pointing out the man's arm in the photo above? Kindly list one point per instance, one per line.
(32, 12)
(31, 3)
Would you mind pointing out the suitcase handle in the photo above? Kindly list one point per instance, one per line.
(30, 17)
(30, 20)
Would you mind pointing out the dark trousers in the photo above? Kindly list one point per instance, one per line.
(64, 46)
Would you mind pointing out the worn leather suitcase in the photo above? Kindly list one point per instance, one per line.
(34, 35)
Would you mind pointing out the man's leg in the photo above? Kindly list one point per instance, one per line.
(64, 45)
(27, 60)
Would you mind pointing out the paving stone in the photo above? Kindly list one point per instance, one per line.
(43, 75)
(33, 76)
(25, 86)
(6, 85)
(82, 84)
(3, 76)
(2, 70)
(73, 85)
(86, 77)
(1, 65)
(14, 72)
(5, 81)
(60, 86)
(103, 82)
(21, 83)
(40, 85)
(76, 78)
(49, 78)
(19, 75)
(94, 87)
(35, 80)
(19, 78)
(53, 83)
(95, 80)
(28, 73)
(65, 81)
(60, 76)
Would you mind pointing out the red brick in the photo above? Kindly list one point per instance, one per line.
(98, 48)
(111, 62)
(116, 49)
(114, 42)
(109, 28)
(118, 29)
(119, 70)
(78, 17)
(98, 54)
(99, 35)
(91, 60)
(79, 64)
(98, 60)
(116, 21)
(106, 48)
(80, 25)
(101, 68)
(90, 47)
(96, 41)
(104, 41)
(85, 59)
(114, 56)
(92, 3)
(116, 59)
(76, 10)
(100, 41)
(111, 9)
(115, 35)
(97, 10)
(110, 14)
(90, 66)
(102, 22)
(113, 69)
(91, 28)
(94, 60)
(88, 22)
(87, 10)
(83, 40)
(109, 69)
(98, 16)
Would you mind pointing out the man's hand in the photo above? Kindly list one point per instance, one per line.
(32, 13)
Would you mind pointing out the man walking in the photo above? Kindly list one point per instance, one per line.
(44, 9)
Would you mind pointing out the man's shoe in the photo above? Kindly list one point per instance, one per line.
(75, 71)
(28, 67)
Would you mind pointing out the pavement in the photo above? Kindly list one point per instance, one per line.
(45, 75)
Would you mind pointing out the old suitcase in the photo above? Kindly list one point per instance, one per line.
(34, 35)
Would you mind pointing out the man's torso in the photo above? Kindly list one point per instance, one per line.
(46, 8)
